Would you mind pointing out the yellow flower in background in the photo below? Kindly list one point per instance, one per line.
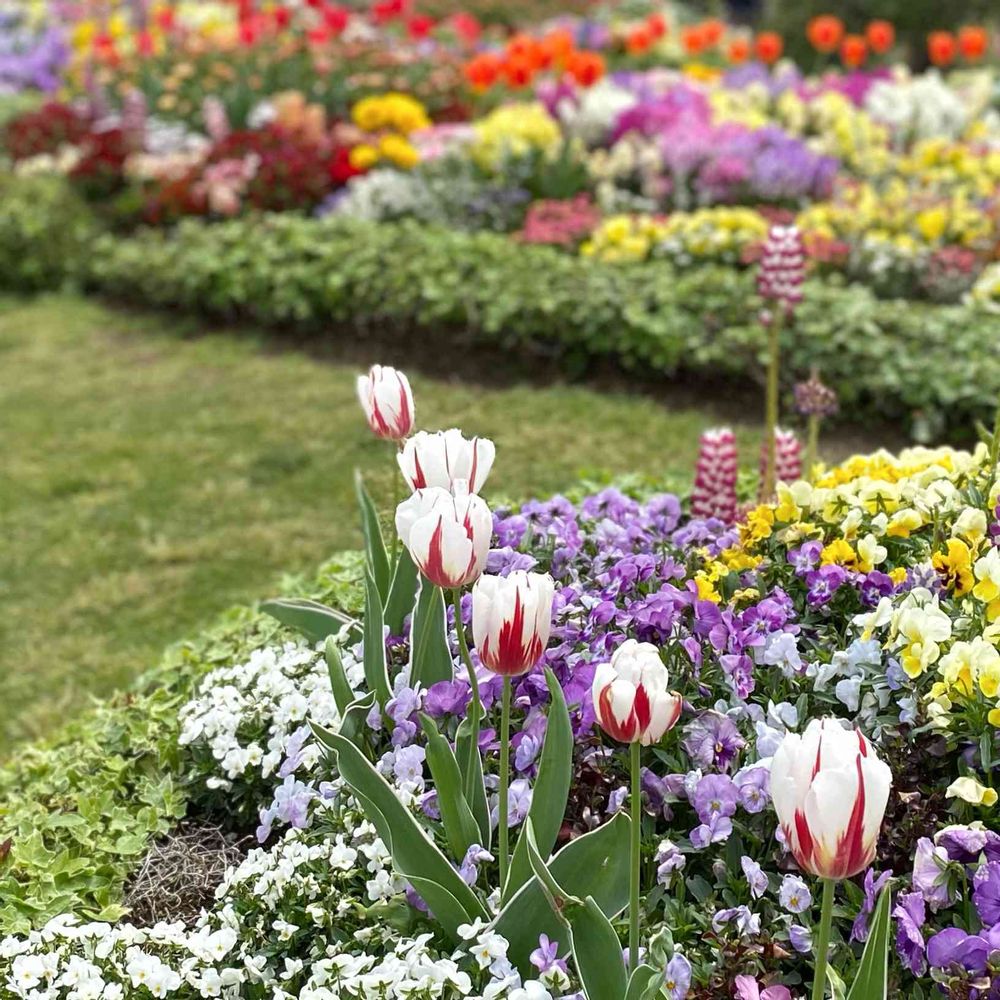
(971, 525)
(955, 566)
(758, 525)
(399, 151)
(923, 628)
(971, 791)
(897, 575)
(514, 130)
(363, 157)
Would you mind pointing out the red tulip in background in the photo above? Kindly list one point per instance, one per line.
(941, 48)
(768, 46)
(881, 36)
(973, 42)
(853, 51)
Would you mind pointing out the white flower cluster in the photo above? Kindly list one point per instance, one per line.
(920, 107)
(383, 195)
(592, 112)
(247, 714)
(296, 921)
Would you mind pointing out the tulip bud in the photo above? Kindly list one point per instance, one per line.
(631, 697)
(447, 535)
(387, 401)
(511, 618)
(443, 458)
(830, 792)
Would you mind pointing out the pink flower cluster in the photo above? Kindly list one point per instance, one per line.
(782, 267)
(788, 456)
(714, 493)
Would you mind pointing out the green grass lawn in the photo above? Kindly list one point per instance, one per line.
(155, 472)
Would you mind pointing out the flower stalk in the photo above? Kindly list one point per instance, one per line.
(823, 939)
(502, 821)
(771, 409)
(475, 705)
(636, 859)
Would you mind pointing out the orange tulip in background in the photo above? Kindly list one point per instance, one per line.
(639, 40)
(973, 42)
(693, 39)
(712, 32)
(853, 51)
(825, 32)
(881, 36)
(738, 50)
(941, 48)
(769, 45)
(586, 68)
(483, 70)
(657, 25)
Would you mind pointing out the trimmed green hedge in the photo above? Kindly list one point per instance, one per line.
(927, 366)
(930, 368)
(45, 234)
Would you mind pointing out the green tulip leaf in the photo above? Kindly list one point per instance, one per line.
(415, 856)
(597, 952)
(596, 864)
(872, 980)
(343, 694)
(376, 670)
(459, 824)
(402, 592)
(470, 763)
(551, 790)
(378, 558)
(430, 655)
(313, 620)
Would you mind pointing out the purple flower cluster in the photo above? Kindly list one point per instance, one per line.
(29, 60)
(725, 163)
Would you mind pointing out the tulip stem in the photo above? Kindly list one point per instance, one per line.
(633, 908)
(823, 941)
(475, 705)
(396, 500)
(771, 412)
(502, 831)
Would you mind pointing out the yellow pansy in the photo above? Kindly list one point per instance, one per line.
(904, 522)
(870, 553)
(706, 589)
(897, 575)
(970, 790)
(987, 588)
(971, 525)
(839, 553)
(955, 566)
(758, 525)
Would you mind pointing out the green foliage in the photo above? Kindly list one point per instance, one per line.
(915, 363)
(81, 808)
(45, 233)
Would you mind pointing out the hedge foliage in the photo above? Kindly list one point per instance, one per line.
(45, 233)
(930, 368)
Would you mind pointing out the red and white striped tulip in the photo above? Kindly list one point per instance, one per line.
(443, 458)
(830, 792)
(511, 619)
(632, 697)
(447, 534)
(387, 400)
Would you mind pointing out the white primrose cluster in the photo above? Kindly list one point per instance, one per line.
(298, 920)
(249, 716)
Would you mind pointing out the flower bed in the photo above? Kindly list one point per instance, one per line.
(391, 114)
(870, 594)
